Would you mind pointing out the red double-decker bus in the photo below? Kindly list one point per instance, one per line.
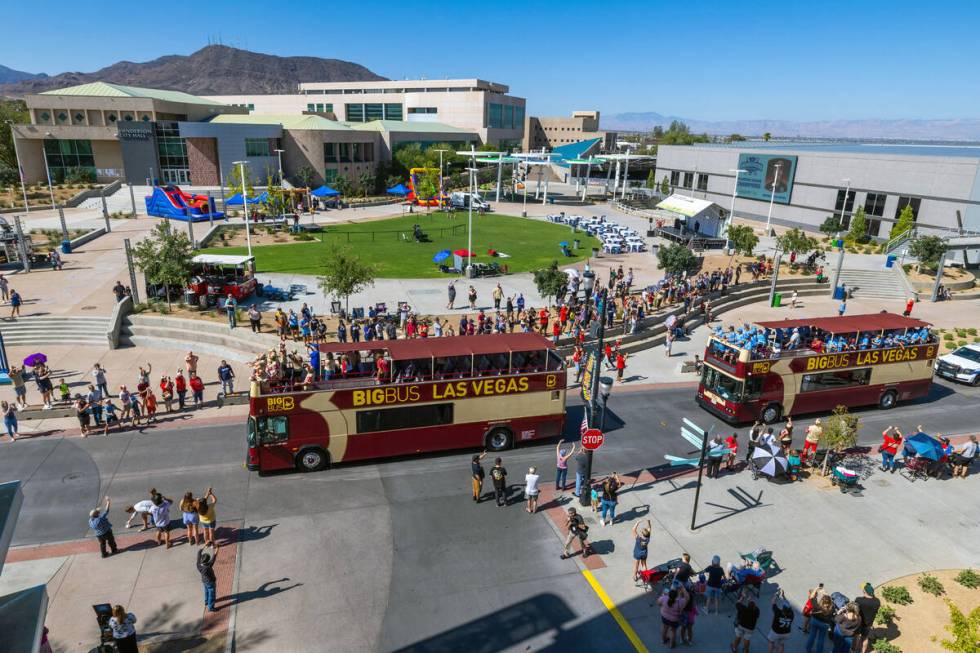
(859, 360)
(400, 397)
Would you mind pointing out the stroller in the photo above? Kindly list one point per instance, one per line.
(916, 467)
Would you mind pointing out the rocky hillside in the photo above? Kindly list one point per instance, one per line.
(213, 70)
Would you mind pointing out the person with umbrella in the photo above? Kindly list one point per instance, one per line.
(768, 459)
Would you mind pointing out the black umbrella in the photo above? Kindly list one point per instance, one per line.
(769, 459)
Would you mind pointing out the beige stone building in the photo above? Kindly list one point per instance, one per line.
(549, 132)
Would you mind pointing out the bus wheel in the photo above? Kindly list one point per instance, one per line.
(312, 460)
(888, 400)
(500, 439)
(771, 413)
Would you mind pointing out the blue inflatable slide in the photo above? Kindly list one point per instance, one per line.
(170, 202)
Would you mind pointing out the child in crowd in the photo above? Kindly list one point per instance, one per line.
(65, 392)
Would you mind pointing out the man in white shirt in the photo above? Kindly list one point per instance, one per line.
(531, 489)
(963, 458)
(141, 509)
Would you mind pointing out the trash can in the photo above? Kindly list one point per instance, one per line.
(190, 298)
(777, 299)
(839, 292)
(576, 243)
(66, 246)
(890, 261)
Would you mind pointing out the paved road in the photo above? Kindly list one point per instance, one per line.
(392, 556)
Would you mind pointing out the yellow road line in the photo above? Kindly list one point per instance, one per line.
(616, 614)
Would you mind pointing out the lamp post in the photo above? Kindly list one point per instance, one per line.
(248, 235)
(20, 171)
(469, 240)
(279, 154)
(605, 389)
(594, 381)
(731, 213)
(772, 196)
(47, 170)
(440, 174)
(840, 256)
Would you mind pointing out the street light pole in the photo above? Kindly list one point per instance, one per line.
(469, 241)
(20, 171)
(47, 170)
(840, 257)
(584, 498)
(279, 153)
(731, 213)
(248, 235)
(772, 196)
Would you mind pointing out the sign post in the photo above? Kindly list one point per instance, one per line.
(132, 271)
(697, 437)
(590, 389)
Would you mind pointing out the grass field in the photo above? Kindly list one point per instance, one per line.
(531, 244)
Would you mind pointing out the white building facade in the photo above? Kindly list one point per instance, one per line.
(813, 181)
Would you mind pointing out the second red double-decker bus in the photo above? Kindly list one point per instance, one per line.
(398, 397)
(765, 372)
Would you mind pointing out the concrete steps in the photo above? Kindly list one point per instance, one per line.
(879, 284)
(202, 336)
(56, 330)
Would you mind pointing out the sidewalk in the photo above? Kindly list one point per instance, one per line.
(161, 587)
(817, 533)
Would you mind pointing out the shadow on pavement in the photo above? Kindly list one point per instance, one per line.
(263, 591)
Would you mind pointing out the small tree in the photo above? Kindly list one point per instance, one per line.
(235, 181)
(343, 185)
(343, 274)
(743, 239)
(367, 182)
(795, 240)
(831, 225)
(735, 138)
(164, 257)
(840, 432)
(928, 249)
(859, 226)
(651, 180)
(965, 630)
(427, 184)
(551, 281)
(411, 156)
(665, 186)
(276, 203)
(305, 177)
(675, 258)
(766, 136)
(905, 222)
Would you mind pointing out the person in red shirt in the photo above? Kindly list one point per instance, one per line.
(555, 332)
(180, 385)
(197, 388)
(543, 320)
(563, 316)
(891, 440)
(620, 365)
(732, 443)
(908, 306)
(609, 355)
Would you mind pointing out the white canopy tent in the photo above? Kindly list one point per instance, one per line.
(701, 216)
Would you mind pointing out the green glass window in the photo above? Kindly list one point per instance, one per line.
(329, 176)
(355, 112)
(329, 153)
(69, 158)
(45, 116)
(393, 111)
(344, 152)
(496, 116)
(355, 151)
(62, 116)
(373, 112)
(257, 147)
(509, 116)
(79, 116)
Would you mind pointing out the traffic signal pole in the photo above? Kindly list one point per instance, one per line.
(584, 497)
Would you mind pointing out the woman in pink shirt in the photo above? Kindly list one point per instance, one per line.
(671, 607)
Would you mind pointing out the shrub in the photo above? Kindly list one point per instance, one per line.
(948, 336)
(884, 646)
(960, 333)
(968, 578)
(931, 585)
(303, 236)
(897, 594)
(972, 331)
(885, 616)
(961, 343)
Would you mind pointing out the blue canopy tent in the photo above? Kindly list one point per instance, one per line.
(324, 191)
(398, 189)
(924, 445)
(441, 256)
(236, 199)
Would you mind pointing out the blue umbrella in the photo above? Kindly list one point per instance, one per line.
(925, 445)
(563, 243)
(398, 189)
(441, 256)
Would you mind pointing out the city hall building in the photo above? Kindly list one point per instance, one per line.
(104, 132)
(816, 180)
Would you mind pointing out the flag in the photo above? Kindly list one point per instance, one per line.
(585, 424)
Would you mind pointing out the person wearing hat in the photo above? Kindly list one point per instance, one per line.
(812, 439)
(206, 556)
(99, 522)
(868, 606)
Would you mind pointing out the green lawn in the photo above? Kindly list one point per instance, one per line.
(531, 244)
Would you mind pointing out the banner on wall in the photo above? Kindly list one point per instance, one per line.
(760, 172)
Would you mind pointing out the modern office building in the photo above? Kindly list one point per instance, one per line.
(107, 131)
(813, 181)
(477, 106)
(550, 132)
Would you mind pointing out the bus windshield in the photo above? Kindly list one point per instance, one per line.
(726, 387)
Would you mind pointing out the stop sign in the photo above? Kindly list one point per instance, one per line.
(592, 439)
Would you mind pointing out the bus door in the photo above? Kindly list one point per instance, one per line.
(272, 439)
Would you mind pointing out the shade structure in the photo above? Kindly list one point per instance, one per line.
(464, 252)
(324, 191)
(925, 445)
(769, 460)
(236, 199)
(35, 359)
(398, 189)
(441, 256)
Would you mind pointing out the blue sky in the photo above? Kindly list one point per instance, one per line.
(706, 60)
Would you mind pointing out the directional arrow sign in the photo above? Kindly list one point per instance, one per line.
(677, 462)
(695, 440)
(694, 427)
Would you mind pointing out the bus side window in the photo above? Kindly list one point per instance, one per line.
(555, 361)
(518, 362)
(501, 363)
(535, 361)
(273, 430)
(753, 387)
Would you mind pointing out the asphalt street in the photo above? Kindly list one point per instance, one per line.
(394, 556)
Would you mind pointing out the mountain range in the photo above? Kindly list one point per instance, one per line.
(212, 70)
(964, 129)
